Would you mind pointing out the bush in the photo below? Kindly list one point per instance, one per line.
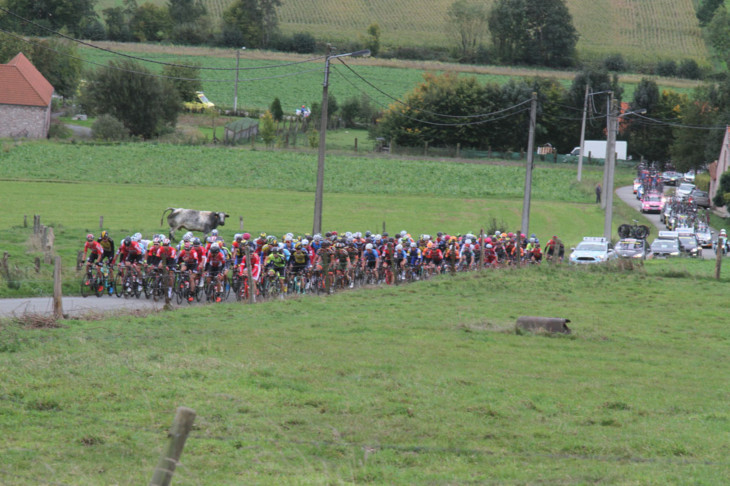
(689, 69)
(108, 128)
(615, 63)
(666, 68)
(59, 130)
(303, 43)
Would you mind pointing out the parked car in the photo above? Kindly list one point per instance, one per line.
(684, 190)
(700, 198)
(200, 104)
(631, 248)
(592, 250)
(671, 177)
(663, 248)
(689, 176)
(651, 203)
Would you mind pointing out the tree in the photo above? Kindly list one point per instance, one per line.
(71, 15)
(189, 20)
(372, 41)
(537, 32)
(185, 78)
(276, 110)
(722, 197)
(255, 19)
(150, 23)
(118, 20)
(719, 33)
(467, 22)
(599, 81)
(59, 62)
(145, 104)
(706, 10)
(648, 140)
(267, 130)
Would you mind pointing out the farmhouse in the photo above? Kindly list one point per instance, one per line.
(25, 100)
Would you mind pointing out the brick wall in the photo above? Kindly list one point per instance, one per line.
(17, 121)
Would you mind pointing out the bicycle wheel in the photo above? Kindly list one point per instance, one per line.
(148, 286)
(641, 232)
(118, 285)
(226, 288)
(624, 231)
(210, 291)
(99, 286)
(86, 286)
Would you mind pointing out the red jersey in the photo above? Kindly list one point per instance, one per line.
(255, 266)
(167, 253)
(218, 260)
(191, 256)
(93, 247)
(130, 250)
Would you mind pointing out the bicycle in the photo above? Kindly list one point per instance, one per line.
(640, 232)
(91, 284)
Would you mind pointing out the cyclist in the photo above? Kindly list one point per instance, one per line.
(370, 258)
(190, 258)
(466, 255)
(130, 253)
(96, 254)
(299, 260)
(555, 250)
(217, 265)
(277, 262)
(108, 245)
(342, 258)
(166, 261)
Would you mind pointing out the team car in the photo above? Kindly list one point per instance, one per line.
(592, 250)
(652, 203)
(631, 248)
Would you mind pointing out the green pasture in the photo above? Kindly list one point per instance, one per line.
(419, 384)
(260, 81)
(640, 31)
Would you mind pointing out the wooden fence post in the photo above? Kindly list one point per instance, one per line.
(37, 264)
(25, 221)
(718, 257)
(355, 144)
(240, 223)
(383, 226)
(458, 150)
(178, 434)
(101, 223)
(425, 149)
(57, 292)
(79, 260)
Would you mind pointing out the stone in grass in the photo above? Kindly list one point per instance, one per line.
(538, 324)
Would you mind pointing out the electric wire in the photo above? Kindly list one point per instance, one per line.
(480, 115)
(162, 76)
(137, 58)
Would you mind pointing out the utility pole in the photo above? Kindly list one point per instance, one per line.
(317, 226)
(583, 135)
(605, 160)
(611, 164)
(530, 163)
(235, 96)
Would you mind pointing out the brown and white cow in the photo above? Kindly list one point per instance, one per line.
(193, 220)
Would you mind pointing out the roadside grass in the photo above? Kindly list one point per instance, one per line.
(420, 384)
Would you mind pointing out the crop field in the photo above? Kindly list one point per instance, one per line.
(421, 384)
(641, 30)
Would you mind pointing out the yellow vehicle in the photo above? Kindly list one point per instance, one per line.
(200, 104)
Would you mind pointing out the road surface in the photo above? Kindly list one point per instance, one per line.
(73, 306)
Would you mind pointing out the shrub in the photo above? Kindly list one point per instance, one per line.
(58, 130)
(615, 63)
(689, 69)
(108, 128)
(666, 68)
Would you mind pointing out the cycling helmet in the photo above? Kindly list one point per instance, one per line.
(214, 232)
(165, 241)
(489, 246)
(468, 241)
(439, 234)
(214, 248)
(247, 236)
(532, 240)
(413, 244)
(317, 237)
(298, 246)
(104, 234)
(262, 235)
(722, 232)
(399, 247)
(305, 242)
(188, 236)
(137, 236)
(127, 241)
(187, 245)
(196, 242)
(340, 244)
(368, 234)
(156, 241)
(369, 246)
(238, 236)
(89, 237)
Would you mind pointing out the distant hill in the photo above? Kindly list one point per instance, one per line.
(640, 30)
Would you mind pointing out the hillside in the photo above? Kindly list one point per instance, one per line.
(640, 31)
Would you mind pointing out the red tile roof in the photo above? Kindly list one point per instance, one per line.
(22, 84)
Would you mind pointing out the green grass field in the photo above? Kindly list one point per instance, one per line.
(424, 384)
(642, 31)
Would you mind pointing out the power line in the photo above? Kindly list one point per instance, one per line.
(117, 68)
(480, 115)
(137, 58)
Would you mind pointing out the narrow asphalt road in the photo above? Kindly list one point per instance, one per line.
(73, 306)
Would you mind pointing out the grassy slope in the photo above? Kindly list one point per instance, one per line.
(644, 30)
(412, 385)
(303, 83)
